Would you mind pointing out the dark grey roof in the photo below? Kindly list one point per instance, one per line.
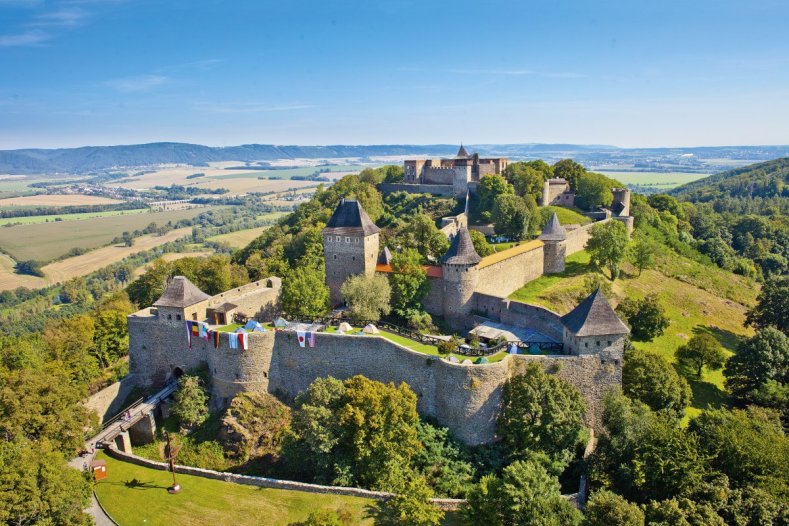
(553, 231)
(350, 218)
(594, 317)
(385, 257)
(180, 292)
(462, 153)
(461, 251)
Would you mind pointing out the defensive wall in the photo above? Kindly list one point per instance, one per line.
(579, 235)
(519, 314)
(504, 272)
(464, 398)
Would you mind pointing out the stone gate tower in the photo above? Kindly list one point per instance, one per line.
(554, 236)
(461, 277)
(350, 246)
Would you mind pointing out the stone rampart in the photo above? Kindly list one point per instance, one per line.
(519, 314)
(577, 237)
(508, 274)
(109, 401)
(444, 190)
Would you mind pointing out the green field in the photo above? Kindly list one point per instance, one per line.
(134, 495)
(696, 298)
(287, 173)
(48, 241)
(30, 220)
(660, 180)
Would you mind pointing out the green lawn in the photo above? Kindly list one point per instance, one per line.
(29, 220)
(659, 180)
(695, 300)
(134, 495)
(569, 216)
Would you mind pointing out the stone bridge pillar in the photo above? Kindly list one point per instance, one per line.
(123, 442)
(144, 431)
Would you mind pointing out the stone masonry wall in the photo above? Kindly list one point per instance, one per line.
(108, 402)
(434, 301)
(444, 190)
(519, 314)
(577, 237)
(507, 276)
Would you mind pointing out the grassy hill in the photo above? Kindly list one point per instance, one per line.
(766, 179)
(697, 298)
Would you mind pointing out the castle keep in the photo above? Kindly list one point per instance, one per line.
(468, 290)
(459, 173)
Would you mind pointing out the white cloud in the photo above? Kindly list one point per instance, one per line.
(138, 83)
(248, 107)
(65, 17)
(33, 37)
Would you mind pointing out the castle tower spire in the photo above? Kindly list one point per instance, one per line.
(461, 277)
(555, 250)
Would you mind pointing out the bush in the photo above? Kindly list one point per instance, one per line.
(191, 403)
(606, 508)
(646, 318)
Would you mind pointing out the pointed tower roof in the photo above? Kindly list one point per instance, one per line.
(462, 153)
(350, 218)
(594, 317)
(385, 257)
(180, 293)
(553, 231)
(461, 252)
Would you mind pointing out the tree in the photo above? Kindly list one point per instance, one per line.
(111, 335)
(525, 495)
(748, 446)
(304, 293)
(408, 282)
(43, 406)
(37, 487)
(510, 216)
(422, 235)
(646, 317)
(650, 379)
(570, 171)
(191, 402)
(606, 508)
(447, 347)
(411, 505)
(526, 179)
(593, 190)
(481, 245)
(646, 455)
(772, 307)
(540, 412)
(642, 253)
(758, 360)
(354, 432)
(607, 246)
(442, 461)
(367, 297)
(490, 187)
(682, 512)
(701, 350)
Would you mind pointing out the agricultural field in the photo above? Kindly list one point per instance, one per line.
(658, 180)
(60, 271)
(240, 238)
(56, 200)
(48, 241)
(696, 298)
(30, 220)
(236, 181)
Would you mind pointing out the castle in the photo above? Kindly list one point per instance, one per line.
(468, 290)
(458, 175)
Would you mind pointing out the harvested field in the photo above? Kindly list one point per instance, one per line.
(29, 220)
(57, 200)
(48, 241)
(10, 280)
(240, 238)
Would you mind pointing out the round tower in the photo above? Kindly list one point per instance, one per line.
(461, 277)
(554, 237)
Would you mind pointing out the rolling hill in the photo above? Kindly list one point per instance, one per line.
(768, 179)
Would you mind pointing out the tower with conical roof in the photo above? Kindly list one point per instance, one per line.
(554, 237)
(593, 327)
(176, 302)
(350, 246)
(461, 277)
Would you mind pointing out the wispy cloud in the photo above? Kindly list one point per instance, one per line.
(248, 107)
(139, 83)
(63, 17)
(504, 72)
(32, 37)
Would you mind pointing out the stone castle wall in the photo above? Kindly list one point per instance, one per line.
(577, 237)
(508, 275)
(346, 256)
(464, 398)
(434, 301)
(437, 175)
(519, 314)
(443, 190)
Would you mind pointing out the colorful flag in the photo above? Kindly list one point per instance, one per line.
(232, 339)
(189, 332)
(243, 339)
(311, 339)
(215, 335)
(300, 336)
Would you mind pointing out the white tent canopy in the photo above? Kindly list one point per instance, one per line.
(371, 329)
(281, 323)
(345, 327)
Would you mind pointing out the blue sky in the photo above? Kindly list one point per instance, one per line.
(629, 73)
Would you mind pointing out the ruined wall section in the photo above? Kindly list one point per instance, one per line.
(508, 275)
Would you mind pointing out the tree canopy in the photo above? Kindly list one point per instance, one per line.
(650, 379)
(367, 297)
(607, 246)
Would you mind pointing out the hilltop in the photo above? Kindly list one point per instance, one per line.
(765, 180)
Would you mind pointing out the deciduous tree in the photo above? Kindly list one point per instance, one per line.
(646, 317)
(304, 293)
(649, 378)
(772, 307)
(367, 297)
(606, 508)
(408, 281)
(191, 402)
(607, 246)
(700, 351)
